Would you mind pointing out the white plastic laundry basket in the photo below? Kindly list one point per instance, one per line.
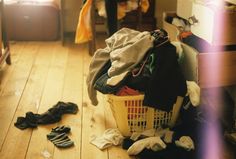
(131, 116)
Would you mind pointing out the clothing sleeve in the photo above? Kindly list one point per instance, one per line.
(99, 60)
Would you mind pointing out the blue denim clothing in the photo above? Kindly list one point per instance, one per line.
(101, 85)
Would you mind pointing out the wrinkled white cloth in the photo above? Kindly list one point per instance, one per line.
(193, 92)
(109, 137)
(113, 81)
(185, 142)
(181, 24)
(153, 143)
(146, 133)
(178, 22)
(168, 136)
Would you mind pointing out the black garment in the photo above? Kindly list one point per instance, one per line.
(53, 115)
(171, 152)
(198, 43)
(111, 10)
(160, 36)
(100, 83)
(202, 45)
(192, 122)
(142, 73)
(167, 80)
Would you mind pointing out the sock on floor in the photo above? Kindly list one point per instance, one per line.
(153, 143)
(110, 137)
(59, 137)
(185, 142)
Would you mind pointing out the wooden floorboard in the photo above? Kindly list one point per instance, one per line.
(16, 139)
(72, 92)
(15, 86)
(6, 70)
(42, 74)
(93, 122)
(51, 95)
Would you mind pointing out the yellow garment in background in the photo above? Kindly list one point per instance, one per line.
(83, 31)
(144, 5)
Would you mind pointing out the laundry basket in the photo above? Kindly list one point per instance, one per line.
(131, 116)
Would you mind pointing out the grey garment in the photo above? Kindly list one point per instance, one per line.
(126, 48)
(232, 92)
(129, 48)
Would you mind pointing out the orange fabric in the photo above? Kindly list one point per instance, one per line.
(185, 34)
(144, 5)
(83, 31)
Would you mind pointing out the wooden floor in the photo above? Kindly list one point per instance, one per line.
(41, 74)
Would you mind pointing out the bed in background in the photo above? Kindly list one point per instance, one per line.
(32, 19)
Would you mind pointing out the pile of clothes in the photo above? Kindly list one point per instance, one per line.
(147, 63)
(183, 141)
(134, 63)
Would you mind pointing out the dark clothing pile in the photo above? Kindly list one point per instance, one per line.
(192, 120)
(158, 75)
(167, 81)
(53, 115)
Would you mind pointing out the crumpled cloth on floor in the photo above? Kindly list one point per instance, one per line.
(193, 92)
(185, 142)
(109, 137)
(53, 115)
(153, 143)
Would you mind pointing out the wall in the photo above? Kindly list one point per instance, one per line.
(163, 6)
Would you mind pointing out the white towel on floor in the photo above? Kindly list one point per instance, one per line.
(109, 137)
(153, 143)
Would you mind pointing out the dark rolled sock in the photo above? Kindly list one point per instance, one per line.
(61, 129)
(65, 144)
